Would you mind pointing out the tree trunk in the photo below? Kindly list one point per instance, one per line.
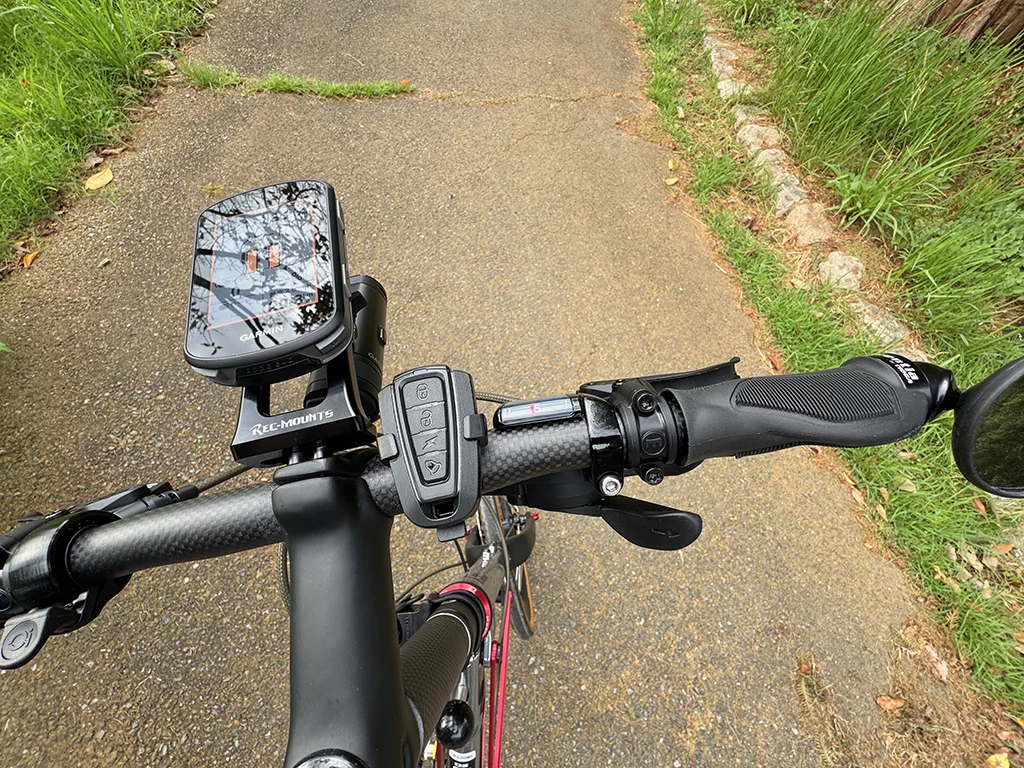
(968, 19)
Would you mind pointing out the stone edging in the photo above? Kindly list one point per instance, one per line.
(807, 223)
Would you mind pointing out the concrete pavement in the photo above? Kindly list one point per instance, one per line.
(521, 236)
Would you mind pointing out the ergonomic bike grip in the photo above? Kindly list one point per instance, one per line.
(432, 660)
(190, 530)
(866, 401)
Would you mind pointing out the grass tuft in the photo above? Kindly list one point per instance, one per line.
(209, 77)
(919, 135)
(68, 68)
(213, 77)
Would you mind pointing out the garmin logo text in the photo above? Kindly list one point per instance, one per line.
(261, 332)
(907, 370)
(297, 421)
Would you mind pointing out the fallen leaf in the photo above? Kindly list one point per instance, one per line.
(857, 496)
(213, 190)
(951, 583)
(1017, 720)
(885, 494)
(672, 182)
(939, 667)
(1019, 637)
(46, 226)
(111, 151)
(167, 64)
(999, 760)
(908, 486)
(990, 561)
(952, 552)
(979, 505)
(680, 113)
(906, 456)
(99, 180)
(1002, 549)
(1005, 735)
(888, 703)
(881, 510)
(403, 82)
(962, 574)
(968, 556)
(28, 258)
(849, 481)
(91, 161)
(750, 222)
(805, 669)
(673, 164)
(986, 590)
(910, 631)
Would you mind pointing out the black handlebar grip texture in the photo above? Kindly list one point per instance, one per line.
(432, 660)
(866, 401)
(190, 530)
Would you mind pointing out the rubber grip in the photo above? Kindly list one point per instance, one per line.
(432, 660)
(866, 401)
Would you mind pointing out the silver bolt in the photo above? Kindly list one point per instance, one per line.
(610, 485)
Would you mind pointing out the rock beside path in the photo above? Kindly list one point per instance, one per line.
(809, 223)
(788, 193)
(756, 138)
(881, 322)
(842, 270)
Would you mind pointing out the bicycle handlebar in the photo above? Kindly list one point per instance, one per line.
(230, 522)
(867, 401)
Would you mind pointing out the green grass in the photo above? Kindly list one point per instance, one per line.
(919, 135)
(68, 68)
(213, 77)
(952, 278)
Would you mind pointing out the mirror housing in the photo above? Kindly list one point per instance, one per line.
(974, 407)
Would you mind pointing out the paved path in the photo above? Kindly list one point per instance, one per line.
(522, 236)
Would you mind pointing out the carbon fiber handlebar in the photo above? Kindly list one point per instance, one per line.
(867, 401)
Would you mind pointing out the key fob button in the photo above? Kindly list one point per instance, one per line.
(433, 466)
(424, 418)
(435, 440)
(422, 392)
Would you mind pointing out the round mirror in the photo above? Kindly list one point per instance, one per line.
(988, 434)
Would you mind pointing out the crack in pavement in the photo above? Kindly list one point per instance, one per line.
(515, 98)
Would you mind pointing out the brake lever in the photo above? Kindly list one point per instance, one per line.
(644, 523)
(24, 635)
(650, 525)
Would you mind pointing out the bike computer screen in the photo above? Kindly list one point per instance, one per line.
(269, 297)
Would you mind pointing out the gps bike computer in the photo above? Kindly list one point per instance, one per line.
(270, 295)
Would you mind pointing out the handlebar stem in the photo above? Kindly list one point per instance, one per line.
(346, 684)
